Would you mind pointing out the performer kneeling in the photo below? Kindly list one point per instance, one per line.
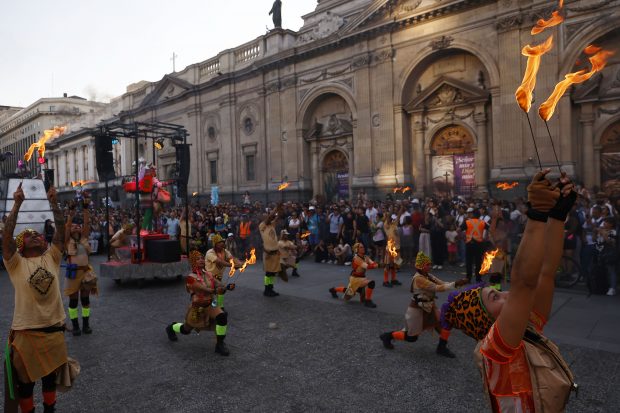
(422, 313)
(358, 281)
(203, 310)
(36, 340)
(522, 370)
(81, 280)
(217, 258)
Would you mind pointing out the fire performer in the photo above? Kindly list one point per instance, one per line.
(271, 253)
(358, 282)
(203, 310)
(81, 280)
(422, 313)
(36, 344)
(218, 258)
(509, 325)
(288, 253)
(157, 196)
(392, 253)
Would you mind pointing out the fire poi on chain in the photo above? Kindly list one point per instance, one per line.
(232, 271)
(39, 145)
(248, 261)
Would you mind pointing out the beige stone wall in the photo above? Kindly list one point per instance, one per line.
(390, 91)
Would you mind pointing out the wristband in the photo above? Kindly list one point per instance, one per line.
(563, 207)
(536, 215)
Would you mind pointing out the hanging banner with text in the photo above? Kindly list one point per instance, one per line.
(343, 184)
(464, 174)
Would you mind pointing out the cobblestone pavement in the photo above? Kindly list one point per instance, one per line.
(323, 355)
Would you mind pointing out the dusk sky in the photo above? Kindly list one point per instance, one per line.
(96, 48)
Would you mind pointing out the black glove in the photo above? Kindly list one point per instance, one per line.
(535, 214)
(230, 287)
(563, 206)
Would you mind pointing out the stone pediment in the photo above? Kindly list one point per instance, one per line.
(167, 88)
(447, 92)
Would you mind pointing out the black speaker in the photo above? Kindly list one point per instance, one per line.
(163, 250)
(183, 164)
(104, 158)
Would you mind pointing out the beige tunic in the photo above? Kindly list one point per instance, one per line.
(271, 254)
(84, 280)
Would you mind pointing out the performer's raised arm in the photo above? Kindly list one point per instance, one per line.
(59, 220)
(86, 218)
(8, 243)
(515, 314)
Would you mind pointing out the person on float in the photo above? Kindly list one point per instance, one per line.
(358, 282)
(203, 312)
(36, 344)
(422, 313)
(512, 353)
(81, 280)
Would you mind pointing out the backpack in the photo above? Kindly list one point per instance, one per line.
(552, 379)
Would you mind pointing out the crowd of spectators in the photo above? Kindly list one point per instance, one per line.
(326, 231)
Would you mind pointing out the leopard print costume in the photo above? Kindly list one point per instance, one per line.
(464, 310)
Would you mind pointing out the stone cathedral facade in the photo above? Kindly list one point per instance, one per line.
(376, 94)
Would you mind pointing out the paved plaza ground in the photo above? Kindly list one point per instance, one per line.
(323, 355)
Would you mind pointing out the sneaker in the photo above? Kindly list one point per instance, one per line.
(611, 291)
(435, 267)
(387, 284)
(370, 304)
(396, 282)
(330, 262)
(322, 261)
(347, 263)
(462, 264)
(445, 351)
(440, 267)
(332, 291)
(172, 336)
(386, 338)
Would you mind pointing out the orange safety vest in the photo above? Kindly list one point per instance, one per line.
(244, 230)
(475, 229)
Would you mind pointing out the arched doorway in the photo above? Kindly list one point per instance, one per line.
(453, 161)
(610, 160)
(335, 175)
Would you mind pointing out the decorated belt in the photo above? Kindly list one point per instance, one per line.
(48, 330)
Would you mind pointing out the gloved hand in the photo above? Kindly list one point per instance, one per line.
(566, 201)
(542, 196)
(461, 282)
(230, 287)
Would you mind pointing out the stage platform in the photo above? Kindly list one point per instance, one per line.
(121, 271)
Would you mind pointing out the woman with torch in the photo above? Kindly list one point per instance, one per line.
(358, 281)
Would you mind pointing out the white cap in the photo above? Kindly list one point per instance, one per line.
(470, 210)
(394, 216)
(311, 208)
(415, 201)
(230, 234)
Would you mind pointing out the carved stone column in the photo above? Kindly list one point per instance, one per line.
(482, 155)
(316, 169)
(419, 166)
(587, 120)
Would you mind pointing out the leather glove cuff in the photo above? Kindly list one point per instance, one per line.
(535, 214)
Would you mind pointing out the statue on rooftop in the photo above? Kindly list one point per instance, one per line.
(276, 11)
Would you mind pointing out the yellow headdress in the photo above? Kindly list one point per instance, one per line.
(217, 238)
(421, 260)
(194, 257)
(19, 239)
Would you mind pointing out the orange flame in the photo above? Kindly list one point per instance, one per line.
(591, 49)
(405, 189)
(598, 61)
(249, 261)
(488, 260)
(283, 186)
(561, 3)
(524, 93)
(391, 247)
(505, 186)
(81, 183)
(396, 189)
(232, 269)
(305, 234)
(543, 24)
(245, 264)
(48, 134)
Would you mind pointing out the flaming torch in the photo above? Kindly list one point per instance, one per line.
(488, 260)
(391, 247)
(396, 189)
(305, 235)
(505, 186)
(283, 186)
(405, 189)
(252, 259)
(232, 268)
(39, 146)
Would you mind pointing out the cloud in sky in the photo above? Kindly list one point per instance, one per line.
(96, 48)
